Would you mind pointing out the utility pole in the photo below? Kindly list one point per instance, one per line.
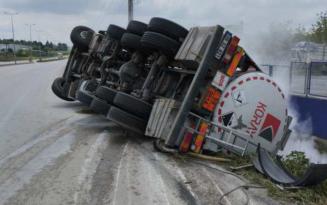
(30, 28)
(130, 10)
(39, 41)
(13, 31)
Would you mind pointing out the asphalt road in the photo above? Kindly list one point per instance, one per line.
(57, 152)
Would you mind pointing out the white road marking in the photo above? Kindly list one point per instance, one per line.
(93, 159)
(138, 181)
(118, 174)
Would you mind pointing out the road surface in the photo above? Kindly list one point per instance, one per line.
(57, 152)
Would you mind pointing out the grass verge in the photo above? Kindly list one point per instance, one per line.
(296, 163)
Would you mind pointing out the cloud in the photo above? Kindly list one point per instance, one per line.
(58, 17)
(48, 6)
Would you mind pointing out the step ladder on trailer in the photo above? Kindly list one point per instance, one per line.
(161, 120)
(228, 138)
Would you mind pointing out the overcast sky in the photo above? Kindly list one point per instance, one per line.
(54, 19)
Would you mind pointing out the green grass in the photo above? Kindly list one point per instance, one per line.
(297, 163)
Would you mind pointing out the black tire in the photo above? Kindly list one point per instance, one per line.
(106, 94)
(137, 27)
(100, 106)
(115, 32)
(131, 41)
(160, 42)
(84, 97)
(133, 105)
(60, 88)
(127, 120)
(81, 37)
(168, 28)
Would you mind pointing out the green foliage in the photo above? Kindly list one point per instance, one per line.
(318, 32)
(39, 49)
(48, 46)
(22, 53)
(319, 29)
(297, 163)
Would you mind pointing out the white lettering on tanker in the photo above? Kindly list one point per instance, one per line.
(257, 118)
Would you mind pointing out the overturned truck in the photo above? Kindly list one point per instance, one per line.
(193, 91)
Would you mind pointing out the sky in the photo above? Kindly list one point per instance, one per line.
(54, 19)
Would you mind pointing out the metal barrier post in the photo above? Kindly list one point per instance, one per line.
(270, 70)
(308, 79)
(290, 76)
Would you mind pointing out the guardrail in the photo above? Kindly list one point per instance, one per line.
(304, 79)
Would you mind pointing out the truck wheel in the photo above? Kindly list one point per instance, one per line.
(81, 37)
(160, 42)
(137, 27)
(115, 32)
(168, 28)
(106, 94)
(100, 106)
(60, 88)
(133, 105)
(131, 41)
(127, 120)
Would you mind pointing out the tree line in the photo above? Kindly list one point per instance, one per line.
(274, 46)
(36, 45)
(317, 33)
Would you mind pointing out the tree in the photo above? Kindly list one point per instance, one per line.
(62, 47)
(319, 29)
(318, 32)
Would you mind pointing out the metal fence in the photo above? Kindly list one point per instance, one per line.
(301, 78)
(309, 50)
